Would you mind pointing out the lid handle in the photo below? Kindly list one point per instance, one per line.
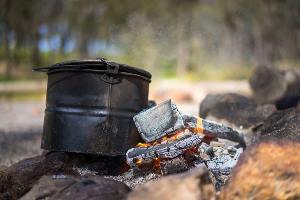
(112, 70)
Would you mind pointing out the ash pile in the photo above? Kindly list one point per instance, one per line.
(176, 142)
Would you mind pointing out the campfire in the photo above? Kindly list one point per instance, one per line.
(176, 142)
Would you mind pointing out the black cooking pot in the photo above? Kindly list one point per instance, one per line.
(90, 105)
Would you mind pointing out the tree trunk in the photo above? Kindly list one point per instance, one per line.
(7, 53)
(182, 50)
(35, 56)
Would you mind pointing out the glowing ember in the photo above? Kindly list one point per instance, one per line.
(165, 139)
(140, 144)
(155, 162)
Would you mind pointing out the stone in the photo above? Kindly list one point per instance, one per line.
(20, 177)
(191, 185)
(276, 86)
(281, 124)
(69, 187)
(235, 109)
(268, 169)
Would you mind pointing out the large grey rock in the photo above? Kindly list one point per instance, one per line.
(68, 187)
(20, 177)
(281, 124)
(234, 109)
(278, 86)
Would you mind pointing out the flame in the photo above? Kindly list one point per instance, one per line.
(140, 144)
(169, 138)
(139, 161)
(199, 128)
(163, 140)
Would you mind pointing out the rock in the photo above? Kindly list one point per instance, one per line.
(268, 169)
(234, 108)
(68, 187)
(278, 86)
(20, 177)
(281, 124)
(190, 185)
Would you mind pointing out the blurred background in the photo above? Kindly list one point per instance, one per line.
(192, 47)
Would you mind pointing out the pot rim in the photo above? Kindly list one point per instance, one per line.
(94, 65)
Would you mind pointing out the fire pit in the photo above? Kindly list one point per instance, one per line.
(176, 142)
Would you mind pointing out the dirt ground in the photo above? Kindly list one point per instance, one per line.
(21, 121)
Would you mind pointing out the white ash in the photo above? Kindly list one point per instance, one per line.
(131, 179)
(59, 176)
(84, 171)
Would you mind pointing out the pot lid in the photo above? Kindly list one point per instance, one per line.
(94, 65)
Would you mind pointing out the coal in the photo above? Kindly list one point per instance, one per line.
(221, 166)
(158, 121)
(174, 166)
(223, 132)
(167, 150)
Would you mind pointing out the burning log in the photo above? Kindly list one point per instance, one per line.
(158, 121)
(213, 129)
(167, 150)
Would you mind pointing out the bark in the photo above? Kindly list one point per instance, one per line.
(36, 59)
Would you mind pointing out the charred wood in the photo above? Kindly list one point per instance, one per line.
(167, 150)
(158, 121)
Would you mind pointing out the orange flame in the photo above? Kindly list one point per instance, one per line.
(140, 144)
(139, 161)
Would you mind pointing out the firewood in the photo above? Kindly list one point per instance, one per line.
(168, 150)
(158, 121)
(221, 166)
(213, 129)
